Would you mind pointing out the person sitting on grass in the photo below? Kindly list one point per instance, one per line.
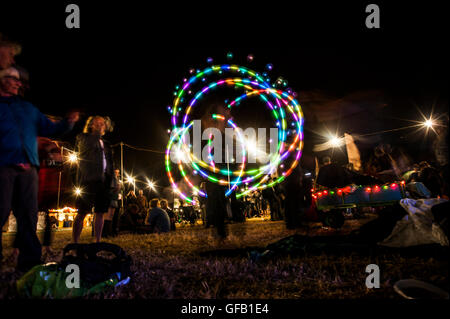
(158, 220)
(165, 206)
(129, 220)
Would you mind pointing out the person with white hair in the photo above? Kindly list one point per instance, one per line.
(20, 125)
(96, 172)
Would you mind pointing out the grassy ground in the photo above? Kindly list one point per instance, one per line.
(190, 263)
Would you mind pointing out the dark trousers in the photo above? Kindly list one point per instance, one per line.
(18, 192)
(115, 221)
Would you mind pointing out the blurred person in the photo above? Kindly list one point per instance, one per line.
(411, 175)
(332, 175)
(95, 175)
(109, 229)
(189, 214)
(388, 163)
(429, 176)
(20, 125)
(119, 210)
(131, 198)
(216, 211)
(165, 206)
(280, 199)
(130, 220)
(202, 201)
(298, 198)
(142, 203)
(158, 220)
(237, 207)
(270, 195)
(358, 178)
(8, 50)
(440, 148)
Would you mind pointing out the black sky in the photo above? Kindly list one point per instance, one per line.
(126, 59)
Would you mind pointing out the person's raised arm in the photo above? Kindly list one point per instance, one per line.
(49, 128)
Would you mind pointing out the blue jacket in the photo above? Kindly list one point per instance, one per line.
(20, 125)
(159, 220)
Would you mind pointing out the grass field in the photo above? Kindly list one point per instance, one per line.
(190, 263)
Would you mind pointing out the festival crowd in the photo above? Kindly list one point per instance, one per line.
(103, 193)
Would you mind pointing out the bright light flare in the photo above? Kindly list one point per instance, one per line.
(335, 141)
(78, 191)
(428, 123)
(151, 184)
(72, 158)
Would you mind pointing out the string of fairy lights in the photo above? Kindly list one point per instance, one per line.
(73, 158)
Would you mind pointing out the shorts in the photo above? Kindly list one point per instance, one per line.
(94, 195)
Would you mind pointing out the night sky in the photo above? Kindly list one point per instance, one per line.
(126, 59)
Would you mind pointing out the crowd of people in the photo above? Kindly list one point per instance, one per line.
(21, 123)
(143, 216)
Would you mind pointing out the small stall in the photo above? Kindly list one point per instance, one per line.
(64, 217)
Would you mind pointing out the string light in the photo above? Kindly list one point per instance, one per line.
(374, 189)
(151, 185)
(78, 191)
(428, 123)
(72, 158)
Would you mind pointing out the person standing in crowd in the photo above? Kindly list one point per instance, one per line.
(202, 202)
(440, 148)
(119, 210)
(95, 175)
(20, 125)
(131, 198)
(109, 227)
(270, 195)
(216, 211)
(142, 203)
(165, 206)
(237, 208)
(158, 220)
(298, 197)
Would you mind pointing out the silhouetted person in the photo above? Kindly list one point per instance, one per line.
(298, 197)
(332, 175)
(111, 218)
(270, 194)
(430, 177)
(216, 210)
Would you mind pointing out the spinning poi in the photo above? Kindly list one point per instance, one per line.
(282, 105)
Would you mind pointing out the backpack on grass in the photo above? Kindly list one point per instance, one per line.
(99, 265)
